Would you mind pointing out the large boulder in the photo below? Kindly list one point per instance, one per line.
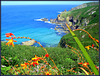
(31, 42)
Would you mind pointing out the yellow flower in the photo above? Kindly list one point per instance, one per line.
(10, 41)
(48, 73)
(24, 65)
(36, 58)
(88, 47)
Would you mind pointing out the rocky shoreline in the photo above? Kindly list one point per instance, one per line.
(69, 18)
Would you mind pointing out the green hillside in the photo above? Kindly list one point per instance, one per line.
(92, 25)
(63, 57)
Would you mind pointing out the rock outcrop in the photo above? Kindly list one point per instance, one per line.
(44, 19)
(31, 42)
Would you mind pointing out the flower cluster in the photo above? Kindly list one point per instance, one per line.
(10, 41)
(94, 39)
(35, 61)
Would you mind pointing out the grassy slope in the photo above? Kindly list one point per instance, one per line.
(63, 57)
(92, 28)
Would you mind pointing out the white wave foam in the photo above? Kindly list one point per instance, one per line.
(52, 28)
(59, 12)
(37, 19)
(47, 22)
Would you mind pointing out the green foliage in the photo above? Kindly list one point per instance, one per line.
(4, 70)
(92, 65)
(12, 60)
(84, 13)
(93, 29)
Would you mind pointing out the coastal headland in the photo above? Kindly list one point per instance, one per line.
(77, 17)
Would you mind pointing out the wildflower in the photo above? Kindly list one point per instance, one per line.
(17, 65)
(93, 38)
(23, 37)
(97, 41)
(10, 41)
(48, 73)
(89, 36)
(9, 34)
(24, 65)
(36, 58)
(29, 61)
(92, 45)
(88, 47)
(28, 38)
(33, 63)
(18, 37)
(46, 55)
(84, 64)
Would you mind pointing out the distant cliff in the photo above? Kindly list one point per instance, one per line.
(85, 5)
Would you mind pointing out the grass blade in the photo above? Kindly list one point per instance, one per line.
(84, 51)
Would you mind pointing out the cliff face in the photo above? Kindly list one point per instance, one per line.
(79, 16)
(85, 5)
(85, 16)
(82, 15)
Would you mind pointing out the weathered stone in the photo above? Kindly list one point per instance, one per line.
(31, 42)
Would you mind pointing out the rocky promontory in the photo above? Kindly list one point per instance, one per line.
(77, 17)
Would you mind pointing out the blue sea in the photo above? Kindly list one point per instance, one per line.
(23, 20)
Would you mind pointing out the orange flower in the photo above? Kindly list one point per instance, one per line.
(9, 34)
(97, 41)
(80, 63)
(36, 58)
(88, 47)
(47, 55)
(24, 65)
(89, 36)
(17, 65)
(18, 37)
(84, 64)
(93, 38)
(10, 41)
(33, 63)
(48, 73)
(23, 37)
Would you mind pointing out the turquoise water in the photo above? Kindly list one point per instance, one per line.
(22, 21)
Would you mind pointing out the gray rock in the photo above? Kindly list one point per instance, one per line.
(31, 42)
(44, 19)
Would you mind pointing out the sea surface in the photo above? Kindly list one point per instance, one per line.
(24, 20)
